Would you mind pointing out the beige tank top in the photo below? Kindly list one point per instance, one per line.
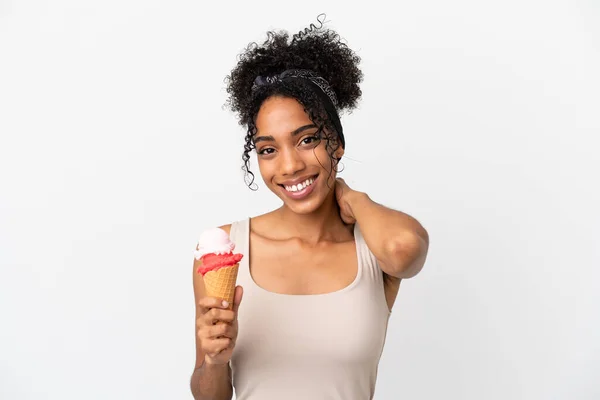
(309, 347)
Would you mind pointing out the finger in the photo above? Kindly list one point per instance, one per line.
(215, 315)
(206, 303)
(220, 330)
(213, 347)
(237, 298)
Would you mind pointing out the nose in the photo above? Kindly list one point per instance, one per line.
(291, 162)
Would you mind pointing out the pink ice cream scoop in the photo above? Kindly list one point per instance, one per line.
(215, 249)
(215, 241)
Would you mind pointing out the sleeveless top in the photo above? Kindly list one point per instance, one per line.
(305, 347)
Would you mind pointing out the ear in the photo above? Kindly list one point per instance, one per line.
(339, 153)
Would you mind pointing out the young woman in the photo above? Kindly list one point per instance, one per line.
(320, 274)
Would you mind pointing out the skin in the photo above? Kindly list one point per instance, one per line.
(296, 248)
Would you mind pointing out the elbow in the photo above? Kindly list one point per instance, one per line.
(407, 254)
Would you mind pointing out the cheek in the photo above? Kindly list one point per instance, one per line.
(322, 157)
(266, 170)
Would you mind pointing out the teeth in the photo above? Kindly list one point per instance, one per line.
(300, 186)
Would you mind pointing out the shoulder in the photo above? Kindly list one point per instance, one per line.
(391, 284)
(226, 228)
(265, 222)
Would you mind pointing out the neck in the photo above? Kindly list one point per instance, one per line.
(324, 223)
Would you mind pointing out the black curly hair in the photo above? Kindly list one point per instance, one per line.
(316, 49)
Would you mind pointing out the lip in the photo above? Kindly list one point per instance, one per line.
(302, 193)
(296, 181)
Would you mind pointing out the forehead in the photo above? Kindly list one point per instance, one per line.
(280, 115)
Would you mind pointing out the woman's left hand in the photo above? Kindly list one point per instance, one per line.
(344, 196)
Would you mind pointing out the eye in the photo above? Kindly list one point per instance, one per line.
(266, 151)
(310, 139)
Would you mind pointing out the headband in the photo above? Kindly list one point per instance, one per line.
(319, 85)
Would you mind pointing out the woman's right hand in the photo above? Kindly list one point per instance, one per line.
(217, 327)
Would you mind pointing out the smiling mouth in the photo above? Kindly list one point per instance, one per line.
(301, 186)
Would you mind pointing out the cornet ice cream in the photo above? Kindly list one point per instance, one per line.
(219, 264)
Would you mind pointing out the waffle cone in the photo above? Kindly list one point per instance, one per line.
(221, 283)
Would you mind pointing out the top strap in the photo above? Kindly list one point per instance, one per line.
(370, 265)
(239, 235)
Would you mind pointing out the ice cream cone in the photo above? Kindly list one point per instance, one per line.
(221, 283)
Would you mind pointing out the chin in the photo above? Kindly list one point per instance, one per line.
(303, 208)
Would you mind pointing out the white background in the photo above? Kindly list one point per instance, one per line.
(480, 119)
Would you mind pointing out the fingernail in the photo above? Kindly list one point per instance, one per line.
(225, 303)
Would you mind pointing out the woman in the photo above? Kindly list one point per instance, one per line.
(320, 274)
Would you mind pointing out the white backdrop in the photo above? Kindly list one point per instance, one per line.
(479, 119)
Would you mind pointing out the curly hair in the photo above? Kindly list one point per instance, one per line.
(316, 49)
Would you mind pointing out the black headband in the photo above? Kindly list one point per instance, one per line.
(319, 85)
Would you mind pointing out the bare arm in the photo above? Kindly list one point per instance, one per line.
(212, 382)
(209, 381)
(397, 240)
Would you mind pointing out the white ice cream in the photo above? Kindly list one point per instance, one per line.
(214, 240)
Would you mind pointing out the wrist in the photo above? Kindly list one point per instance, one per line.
(209, 364)
(355, 198)
(356, 201)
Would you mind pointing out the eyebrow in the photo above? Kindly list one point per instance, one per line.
(295, 132)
